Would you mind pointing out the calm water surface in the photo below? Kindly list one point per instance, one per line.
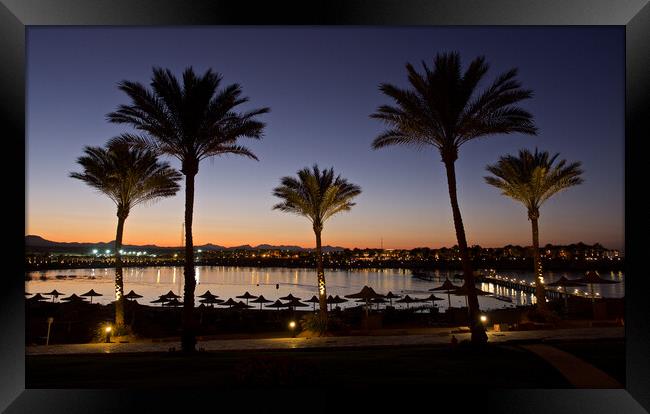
(229, 281)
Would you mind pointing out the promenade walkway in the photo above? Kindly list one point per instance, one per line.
(440, 336)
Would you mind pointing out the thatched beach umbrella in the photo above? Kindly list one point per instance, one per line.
(408, 300)
(390, 296)
(132, 296)
(277, 304)
(170, 295)
(433, 298)
(464, 291)
(162, 300)
(295, 303)
(289, 297)
(211, 300)
(246, 296)
(230, 303)
(30, 294)
(73, 298)
(261, 299)
(593, 278)
(565, 283)
(378, 301)
(173, 303)
(446, 287)
(91, 293)
(37, 298)
(367, 294)
(55, 294)
(207, 294)
(242, 305)
(314, 300)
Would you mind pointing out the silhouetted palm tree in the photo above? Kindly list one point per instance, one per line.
(317, 195)
(443, 109)
(128, 177)
(531, 179)
(190, 121)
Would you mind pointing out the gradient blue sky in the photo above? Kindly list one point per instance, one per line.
(321, 84)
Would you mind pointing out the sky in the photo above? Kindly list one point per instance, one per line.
(321, 84)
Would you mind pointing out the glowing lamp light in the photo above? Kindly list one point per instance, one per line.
(483, 318)
(292, 325)
(108, 329)
(95, 251)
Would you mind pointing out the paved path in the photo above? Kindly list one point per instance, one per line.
(575, 370)
(441, 337)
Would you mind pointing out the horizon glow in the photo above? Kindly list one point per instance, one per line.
(321, 85)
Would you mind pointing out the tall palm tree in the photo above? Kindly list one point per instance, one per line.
(317, 195)
(443, 109)
(531, 179)
(128, 177)
(189, 119)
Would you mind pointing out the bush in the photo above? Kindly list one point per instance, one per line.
(314, 323)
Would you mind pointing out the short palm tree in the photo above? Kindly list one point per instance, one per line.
(531, 179)
(442, 108)
(317, 195)
(128, 177)
(189, 119)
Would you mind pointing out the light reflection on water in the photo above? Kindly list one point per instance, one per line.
(230, 281)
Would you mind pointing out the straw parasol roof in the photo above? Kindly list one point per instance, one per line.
(408, 300)
(173, 303)
(433, 298)
(277, 304)
(295, 303)
(366, 293)
(261, 299)
(242, 305)
(36, 298)
(246, 296)
(314, 300)
(73, 298)
(161, 299)
(289, 297)
(170, 295)
(565, 283)
(390, 296)
(91, 293)
(446, 287)
(55, 294)
(132, 295)
(230, 303)
(211, 300)
(593, 278)
(207, 294)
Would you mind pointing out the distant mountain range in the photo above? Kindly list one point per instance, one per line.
(35, 243)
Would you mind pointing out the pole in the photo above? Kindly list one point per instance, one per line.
(49, 323)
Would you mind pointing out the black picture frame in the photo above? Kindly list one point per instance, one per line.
(15, 15)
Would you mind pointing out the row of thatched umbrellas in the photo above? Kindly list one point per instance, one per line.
(72, 298)
(367, 295)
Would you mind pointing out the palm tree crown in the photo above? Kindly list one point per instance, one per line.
(128, 176)
(443, 109)
(191, 121)
(315, 194)
(532, 178)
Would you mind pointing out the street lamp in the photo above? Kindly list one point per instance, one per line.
(292, 326)
(108, 331)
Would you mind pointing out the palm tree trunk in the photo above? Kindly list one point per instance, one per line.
(119, 280)
(188, 337)
(320, 274)
(478, 331)
(540, 296)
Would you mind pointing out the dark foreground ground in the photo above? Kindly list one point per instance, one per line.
(497, 366)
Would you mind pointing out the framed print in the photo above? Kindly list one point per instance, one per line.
(290, 205)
